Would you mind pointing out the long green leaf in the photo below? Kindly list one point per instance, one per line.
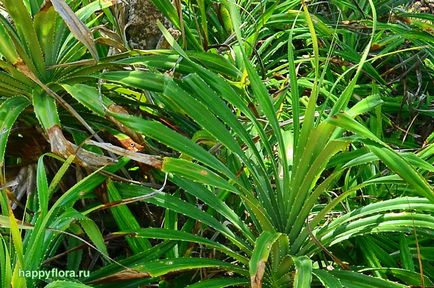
(10, 109)
(28, 37)
(162, 267)
(261, 252)
(303, 272)
(170, 234)
(358, 280)
(45, 109)
(174, 140)
(126, 220)
(89, 97)
(5, 264)
(215, 202)
(70, 284)
(401, 167)
(175, 204)
(42, 187)
(196, 172)
(94, 234)
(328, 280)
(348, 91)
(221, 283)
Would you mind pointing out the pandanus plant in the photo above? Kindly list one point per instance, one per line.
(252, 205)
(46, 47)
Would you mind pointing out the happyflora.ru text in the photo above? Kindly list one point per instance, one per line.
(53, 273)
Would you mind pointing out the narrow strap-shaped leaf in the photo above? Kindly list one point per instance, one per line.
(35, 241)
(265, 101)
(45, 109)
(11, 83)
(392, 159)
(310, 202)
(17, 241)
(7, 49)
(405, 276)
(170, 234)
(59, 174)
(45, 28)
(225, 91)
(10, 109)
(402, 203)
(318, 138)
(344, 120)
(295, 95)
(175, 204)
(358, 280)
(221, 283)
(15, 73)
(28, 37)
(327, 279)
(126, 220)
(196, 172)
(405, 254)
(137, 79)
(263, 246)
(411, 158)
(162, 267)
(89, 97)
(85, 12)
(309, 115)
(67, 39)
(310, 179)
(367, 104)
(212, 200)
(95, 235)
(155, 252)
(201, 114)
(389, 222)
(303, 272)
(5, 264)
(422, 205)
(401, 167)
(304, 234)
(174, 140)
(64, 283)
(42, 186)
(209, 97)
(348, 91)
(370, 253)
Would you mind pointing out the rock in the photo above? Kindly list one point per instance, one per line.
(141, 30)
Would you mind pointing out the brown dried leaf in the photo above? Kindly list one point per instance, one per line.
(114, 108)
(121, 276)
(151, 160)
(64, 148)
(256, 280)
(78, 28)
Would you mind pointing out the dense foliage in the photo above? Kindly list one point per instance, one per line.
(273, 144)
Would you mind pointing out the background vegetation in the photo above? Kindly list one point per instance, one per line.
(272, 144)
